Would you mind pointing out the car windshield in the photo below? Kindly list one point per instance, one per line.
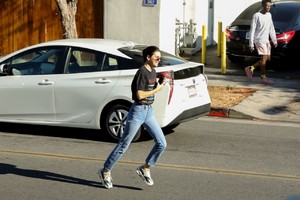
(166, 58)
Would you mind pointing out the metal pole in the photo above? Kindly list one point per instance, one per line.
(219, 38)
(204, 39)
(223, 52)
(183, 24)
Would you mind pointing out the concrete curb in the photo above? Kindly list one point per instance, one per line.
(219, 112)
(239, 115)
(232, 113)
(228, 113)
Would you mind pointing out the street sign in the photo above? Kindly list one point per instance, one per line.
(150, 2)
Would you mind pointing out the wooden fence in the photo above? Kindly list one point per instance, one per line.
(27, 22)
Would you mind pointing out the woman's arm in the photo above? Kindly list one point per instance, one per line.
(141, 94)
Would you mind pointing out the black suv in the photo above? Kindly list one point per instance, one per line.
(286, 19)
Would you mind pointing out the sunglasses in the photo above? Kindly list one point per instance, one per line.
(157, 58)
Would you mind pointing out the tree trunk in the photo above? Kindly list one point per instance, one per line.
(68, 10)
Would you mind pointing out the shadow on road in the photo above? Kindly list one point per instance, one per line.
(12, 169)
(53, 131)
(65, 132)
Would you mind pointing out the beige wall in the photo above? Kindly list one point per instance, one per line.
(130, 20)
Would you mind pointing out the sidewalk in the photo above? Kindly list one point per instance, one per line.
(277, 102)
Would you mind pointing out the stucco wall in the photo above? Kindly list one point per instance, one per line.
(169, 10)
(130, 20)
(227, 11)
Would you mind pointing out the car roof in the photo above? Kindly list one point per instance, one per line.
(281, 21)
(255, 7)
(105, 45)
(95, 42)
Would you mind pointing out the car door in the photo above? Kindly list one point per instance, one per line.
(89, 78)
(27, 90)
(28, 98)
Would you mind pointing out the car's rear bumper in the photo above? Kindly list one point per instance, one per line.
(242, 50)
(190, 114)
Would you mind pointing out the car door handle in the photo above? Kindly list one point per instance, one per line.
(103, 81)
(46, 82)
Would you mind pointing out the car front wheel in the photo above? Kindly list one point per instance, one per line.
(115, 121)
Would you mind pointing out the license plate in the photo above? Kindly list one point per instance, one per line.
(247, 35)
(192, 91)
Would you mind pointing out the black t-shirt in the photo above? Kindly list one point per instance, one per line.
(143, 80)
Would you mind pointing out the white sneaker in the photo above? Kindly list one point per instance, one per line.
(105, 178)
(145, 175)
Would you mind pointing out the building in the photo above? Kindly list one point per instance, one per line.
(157, 24)
(169, 24)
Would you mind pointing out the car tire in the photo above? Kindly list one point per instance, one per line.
(235, 59)
(115, 121)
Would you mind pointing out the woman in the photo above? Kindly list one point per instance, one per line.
(143, 88)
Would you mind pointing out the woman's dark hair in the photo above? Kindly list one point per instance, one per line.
(149, 51)
(263, 2)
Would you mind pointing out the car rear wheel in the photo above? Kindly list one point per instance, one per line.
(235, 59)
(115, 121)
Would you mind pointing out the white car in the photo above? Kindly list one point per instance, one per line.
(86, 83)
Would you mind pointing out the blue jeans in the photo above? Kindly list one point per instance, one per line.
(139, 115)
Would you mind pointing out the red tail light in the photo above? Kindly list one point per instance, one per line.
(285, 37)
(169, 75)
(229, 34)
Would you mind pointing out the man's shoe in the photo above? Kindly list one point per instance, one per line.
(105, 178)
(266, 81)
(145, 175)
(249, 73)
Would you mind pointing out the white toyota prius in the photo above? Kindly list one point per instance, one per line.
(85, 83)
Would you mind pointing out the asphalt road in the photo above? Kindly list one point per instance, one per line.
(208, 158)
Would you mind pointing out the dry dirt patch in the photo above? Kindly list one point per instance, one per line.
(227, 97)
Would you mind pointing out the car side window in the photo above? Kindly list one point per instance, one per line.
(118, 63)
(82, 60)
(110, 63)
(35, 62)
